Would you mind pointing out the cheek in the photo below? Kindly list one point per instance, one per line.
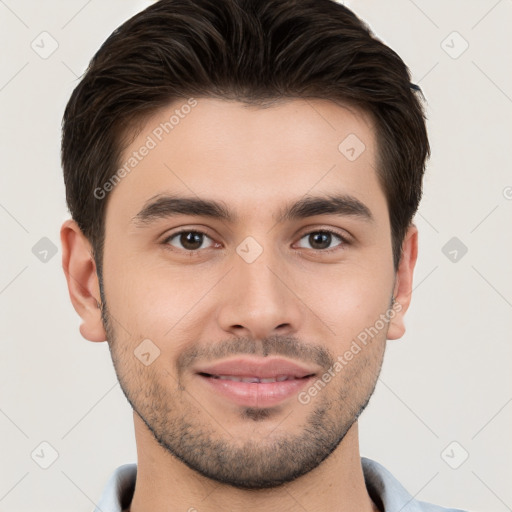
(152, 299)
(350, 301)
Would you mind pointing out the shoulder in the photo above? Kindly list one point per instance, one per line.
(390, 495)
(118, 492)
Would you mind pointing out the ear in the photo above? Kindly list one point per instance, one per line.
(82, 278)
(403, 283)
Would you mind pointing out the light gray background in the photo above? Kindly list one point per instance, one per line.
(447, 380)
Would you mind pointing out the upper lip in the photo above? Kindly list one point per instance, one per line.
(260, 368)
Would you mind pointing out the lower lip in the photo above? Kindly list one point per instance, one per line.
(256, 394)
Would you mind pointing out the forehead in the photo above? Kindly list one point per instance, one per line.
(248, 156)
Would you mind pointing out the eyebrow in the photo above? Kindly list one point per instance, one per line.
(167, 206)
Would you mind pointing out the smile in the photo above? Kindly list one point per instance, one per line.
(281, 378)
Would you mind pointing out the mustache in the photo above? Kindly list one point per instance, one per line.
(288, 346)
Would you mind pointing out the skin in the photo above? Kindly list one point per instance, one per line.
(293, 298)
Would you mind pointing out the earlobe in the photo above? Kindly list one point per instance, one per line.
(82, 279)
(403, 283)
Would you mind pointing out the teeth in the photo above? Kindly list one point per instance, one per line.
(253, 379)
(250, 379)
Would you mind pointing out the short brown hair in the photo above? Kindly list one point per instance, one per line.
(250, 51)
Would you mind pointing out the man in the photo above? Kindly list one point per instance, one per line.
(242, 177)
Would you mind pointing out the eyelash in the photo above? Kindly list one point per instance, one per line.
(342, 239)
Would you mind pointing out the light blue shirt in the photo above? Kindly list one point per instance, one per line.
(384, 489)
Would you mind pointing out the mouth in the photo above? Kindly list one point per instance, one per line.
(256, 382)
(264, 380)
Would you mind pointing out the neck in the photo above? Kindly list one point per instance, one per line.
(165, 483)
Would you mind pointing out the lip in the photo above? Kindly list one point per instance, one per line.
(266, 368)
(256, 394)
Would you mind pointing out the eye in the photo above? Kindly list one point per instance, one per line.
(194, 240)
(321, 240)
(189, 240)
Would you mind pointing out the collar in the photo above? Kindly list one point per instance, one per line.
(384, 489)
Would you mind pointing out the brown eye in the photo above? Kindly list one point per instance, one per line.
(187, 240)
(322, 240)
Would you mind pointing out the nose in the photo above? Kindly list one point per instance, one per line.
(259, 299)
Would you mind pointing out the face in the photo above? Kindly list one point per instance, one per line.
(233, 322)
